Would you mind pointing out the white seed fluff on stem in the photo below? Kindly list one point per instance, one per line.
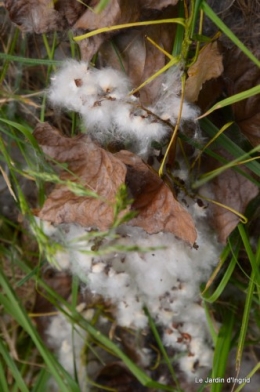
(109, 113)
(68, 341)
(165, 279)
(168, 104)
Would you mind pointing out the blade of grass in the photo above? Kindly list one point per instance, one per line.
(78, 319)
(3, 382)
(249, 376)
(212, 327)
(161, 347)
(218, 22)
(214, 173)
(222, 351)
(211, 130)
(212, 140)
(197, 6)
(128, 25)
(11, 365)
(249, 296)
(224, 281)
(233, 99)
(101, 6)
(10, 49)
(245, 321)
(249, 251)
(26, 131)
(26, 60)
(179, 36)
(141, 376)
(42, 379)
(15, 309)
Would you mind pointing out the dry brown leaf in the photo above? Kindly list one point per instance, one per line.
(208, 66)
(95, 168)
(157, 208)
(158, 5)
(116, 12)
(209, 93)
(42, 16)
(99, 170)
(140, 58)
(232, 190)
(240, 75)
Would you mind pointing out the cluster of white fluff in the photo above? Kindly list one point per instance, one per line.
(166, 280)
(68, 340)
(110, 113)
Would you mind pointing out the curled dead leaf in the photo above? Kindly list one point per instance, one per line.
(208, 66)
(157, 208)
(88, 165)
(102, 172)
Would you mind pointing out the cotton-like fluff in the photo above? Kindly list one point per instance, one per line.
(165, 279)
(109, 113)
(68, 341)
(168, 104)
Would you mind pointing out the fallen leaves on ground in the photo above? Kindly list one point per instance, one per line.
(42, 16)
(102, 172)
(207, 66)
(90, 166)
(116, 12)
(157, 208)
(46, 15)
(233, 190)
(139, 57)
(240, 75)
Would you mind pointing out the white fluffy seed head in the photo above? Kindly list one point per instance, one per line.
(108, 112)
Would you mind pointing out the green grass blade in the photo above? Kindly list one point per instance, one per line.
(11, 365)
(10, 49)
(141, 376)
(214, 173)
(249, 376)
(249, 250)
(224, 281)
(128, 25)
(211, 130)
(224, 141)
(101, 6)
(218, 22)
(222, 351)
(233, 99)
(42, 379)
(161, 346)
(26, 60)
(15, 309)
(197, 6)
(179, 36)
(211, 325)
(249, 296)
(78, 319)
(26, 131)
(3, 382)
(245, 320)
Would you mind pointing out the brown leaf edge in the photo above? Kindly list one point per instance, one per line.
(103, 172)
